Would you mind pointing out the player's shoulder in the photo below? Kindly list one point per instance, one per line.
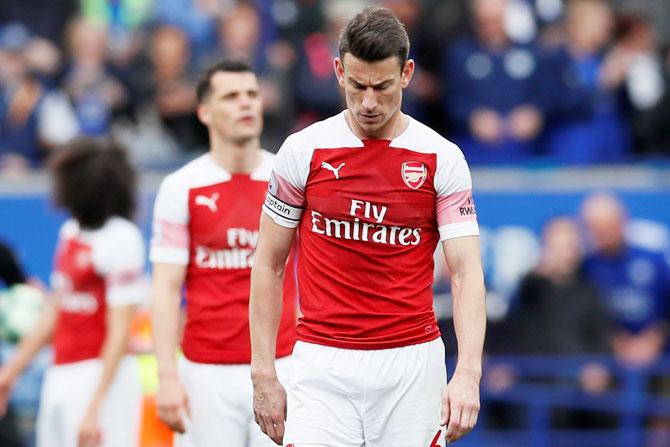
(117, 243)
(118, 230)
(198, 172)
(264, 168)
(331, 132)
(117, 233)
(183, 176)
(69, 229)
(419, 137)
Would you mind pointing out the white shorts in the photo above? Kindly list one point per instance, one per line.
(353, 398)
(66, 393)
(221, 402)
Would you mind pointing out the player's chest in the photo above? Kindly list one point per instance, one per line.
(226, 214)
(77, 287)
(374, 184)
(74, 269)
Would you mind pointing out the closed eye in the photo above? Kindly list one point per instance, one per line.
(357, 86)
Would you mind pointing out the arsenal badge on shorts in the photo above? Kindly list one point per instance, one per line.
(414, 173)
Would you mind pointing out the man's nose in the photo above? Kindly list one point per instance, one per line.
(244, 101)
(369, 99)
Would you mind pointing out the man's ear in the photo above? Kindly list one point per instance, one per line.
(407, 73)
(204, 114)
(338, 66)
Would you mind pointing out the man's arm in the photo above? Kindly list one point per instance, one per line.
(265, 308)
(28, 348)
(171, 399)
(460, 406)
(119, 319)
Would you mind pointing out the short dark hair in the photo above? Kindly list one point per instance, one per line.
(93, 180)
(227, 65)
(375, 34)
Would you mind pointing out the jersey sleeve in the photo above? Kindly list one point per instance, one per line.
(119, 258)
(170, 238)
(455, 208)
(285, 199)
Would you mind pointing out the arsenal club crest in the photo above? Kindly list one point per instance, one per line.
(414, 173)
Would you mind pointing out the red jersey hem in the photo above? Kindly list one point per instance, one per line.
(228, 358)
(368, 346)
(66, 360)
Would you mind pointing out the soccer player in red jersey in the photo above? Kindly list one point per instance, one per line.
(91, 395)
(371, 192)
(205, 228)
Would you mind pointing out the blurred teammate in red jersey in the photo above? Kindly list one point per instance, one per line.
(371, 192)
(91, 394)
(205, 233)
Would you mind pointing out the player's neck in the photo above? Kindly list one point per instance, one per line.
(394, 127)
(236, 157)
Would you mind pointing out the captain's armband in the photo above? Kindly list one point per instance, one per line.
(282, 213)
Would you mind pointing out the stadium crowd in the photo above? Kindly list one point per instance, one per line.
(550, 81)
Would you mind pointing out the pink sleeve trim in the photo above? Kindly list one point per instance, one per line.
(124, 277)
(172, 235)
(455, 208)
(285, 191)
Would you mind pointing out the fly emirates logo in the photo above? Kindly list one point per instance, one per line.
(240, 255)
(361, 228)
(70, 300)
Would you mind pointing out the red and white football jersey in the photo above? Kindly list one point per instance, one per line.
(207, 219)
(369, 215)
(94, 270)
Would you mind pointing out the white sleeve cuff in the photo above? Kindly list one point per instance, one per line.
(169, 255)
(458, 229)
(136, 292)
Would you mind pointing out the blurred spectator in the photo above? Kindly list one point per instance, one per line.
(44, 59)
(44, 18)
(527, 20)
(558, 312)
(41, 51)
(317, 92)
(431, 25)
(92, 84)
(165, 128)
(240, 36)
(424, 86)
(494, 93)
(32, 120)
(634, 282)
(122, 20)
(296, 19)
(587, 125)
(174, 87)
(196, 17)
(421, 99)
(636, 65)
